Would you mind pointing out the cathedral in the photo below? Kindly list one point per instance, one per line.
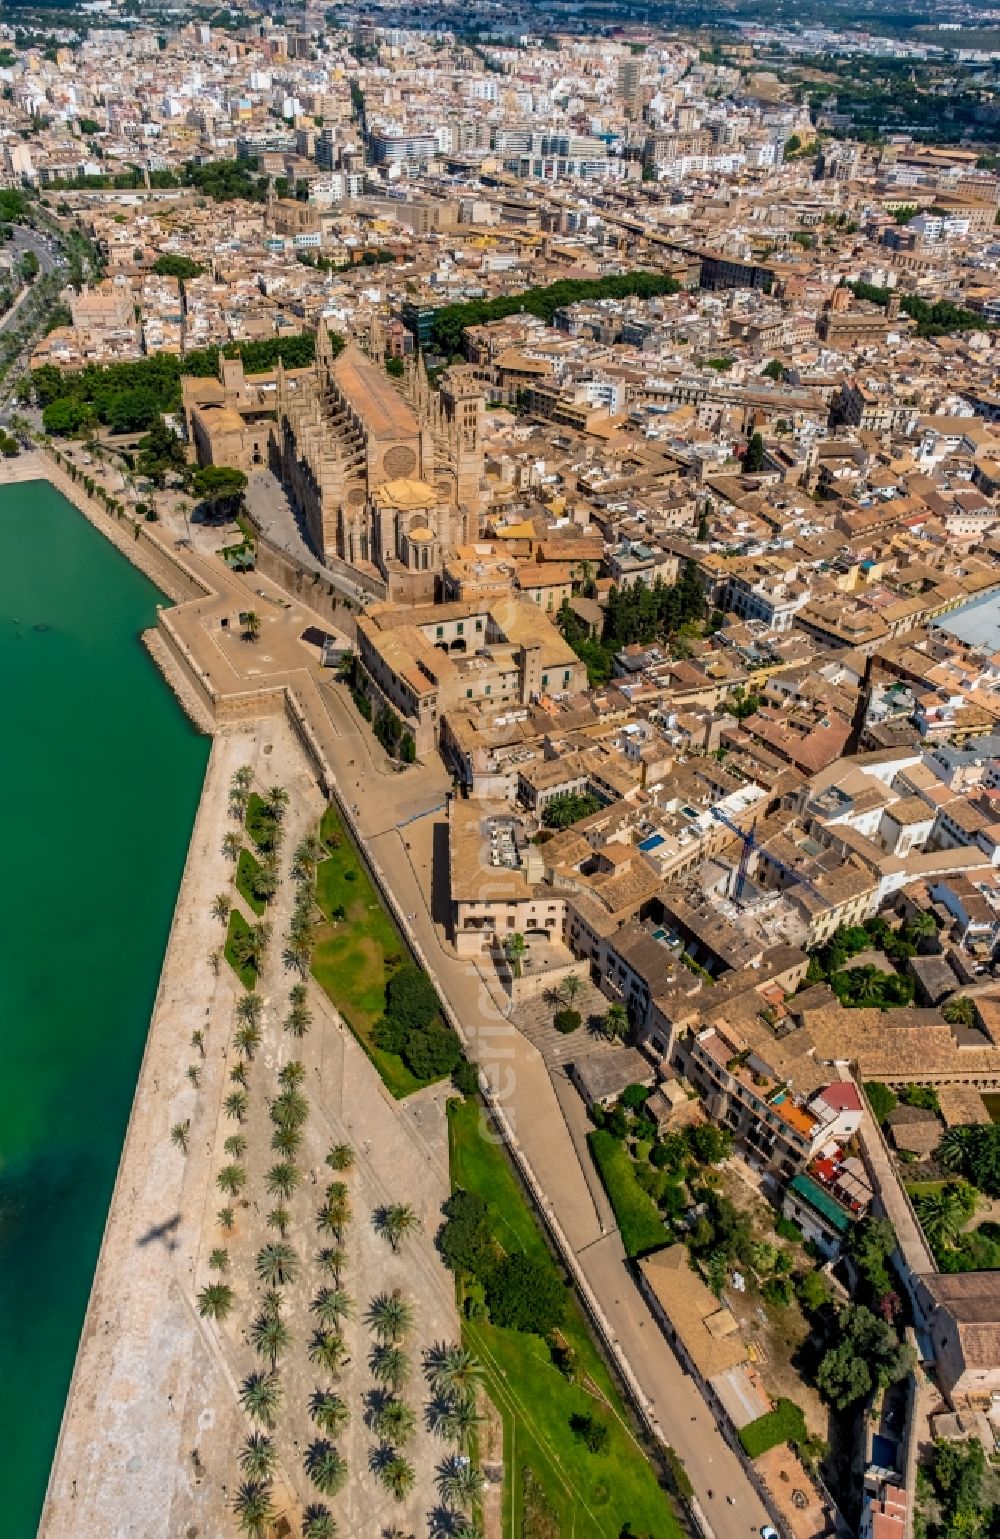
(389, 480)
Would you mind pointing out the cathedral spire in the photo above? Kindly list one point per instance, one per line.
(324, 352)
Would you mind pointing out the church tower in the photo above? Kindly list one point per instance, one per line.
(463, 414)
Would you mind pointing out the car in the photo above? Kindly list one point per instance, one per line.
(767, 1532)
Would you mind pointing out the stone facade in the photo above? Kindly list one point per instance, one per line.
(389, 480)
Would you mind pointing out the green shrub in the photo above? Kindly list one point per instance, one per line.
(881, 1099)
(567, 1021)
(638, 1220)
(525, 1293)
(591, 1432)
(465, 1077)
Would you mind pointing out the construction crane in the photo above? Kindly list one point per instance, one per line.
(751, 843)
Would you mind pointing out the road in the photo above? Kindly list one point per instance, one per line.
(23, 240)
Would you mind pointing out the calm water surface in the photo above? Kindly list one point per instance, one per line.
(100, 774)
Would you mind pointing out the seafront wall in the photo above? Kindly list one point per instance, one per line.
(136, 541)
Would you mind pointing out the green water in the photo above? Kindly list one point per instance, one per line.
(100, 774)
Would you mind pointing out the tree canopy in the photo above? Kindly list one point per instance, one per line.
(524, 1293)
(450, 321)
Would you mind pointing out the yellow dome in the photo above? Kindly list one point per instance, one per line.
(407, 494)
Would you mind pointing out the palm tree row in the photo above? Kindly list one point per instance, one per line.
(454, 1374)
(239, 791)
(299, 945)
(299, 1015)
(389, 1317)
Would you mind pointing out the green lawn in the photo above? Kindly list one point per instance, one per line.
(246, 869)
(238, 926)
(926, 1188)
(785, 1424)
(255, 806)
(354, 957)
(592, 1495)
(636, 1214)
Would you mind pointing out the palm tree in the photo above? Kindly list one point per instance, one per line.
(334, 1217)
(279, 1218)
(389, 1317)
(328, 1411)
(258, 1457)
(215, 1301)
(615, 1023)
(231, 1180)
(194, 1074)
(460, 1483)
(394, 1422)
(248, 1039)
(270, 1336)
(198, 1040)
(955, 1147)
(571, 988)
(340, 1157)
(468, 1528)
(235, 1146)
(514, 948)
(242, 778)
(317, 1522)
(959, 1010)
(325, 1467)
(236, 1104)
(276, 1264)
(282, 1179)
(327, 1350)
(250, 622)
(330, 1306)
(292, 1074)
(390, 1365)
(286, 1141)
(457, 1421)
(221, 906)
(249, 945)
(265, 880)
(453, 1370)
(942, 1212)
(298, 1018)
(398, 1476)
(179, 1134)
(231, 846)
(225, 1219)
(253, 1509)
(249, 1008)
(297, 956)
(395, 1222)
(277, 801)
(238, 1074)
(308, 853)
(332, 1261)
(260, 1397)
(290, 1109)
(218, 1259)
